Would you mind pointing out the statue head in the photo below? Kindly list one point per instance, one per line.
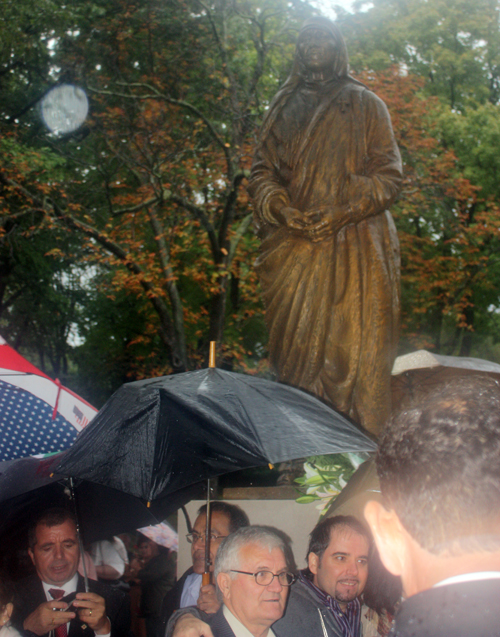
(321, 50)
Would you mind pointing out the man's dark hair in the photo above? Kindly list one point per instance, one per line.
(237, 517)
(439, 466)
(320, 536)
(50, 517)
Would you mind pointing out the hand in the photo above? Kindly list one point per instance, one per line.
(44, 618)
(92, 611)
(327, 226)
(189, 626)
(292, 218)
(207, 601)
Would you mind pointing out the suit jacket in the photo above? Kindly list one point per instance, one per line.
(466, 609)
(218, 624)
(172, 600)
(303, 615)
(30, 595)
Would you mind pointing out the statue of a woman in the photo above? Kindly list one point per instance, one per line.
(325, 172)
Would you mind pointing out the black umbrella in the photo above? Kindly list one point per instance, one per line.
(28, 487)
(155, 437)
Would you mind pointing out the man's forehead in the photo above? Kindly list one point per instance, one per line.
(344, 537)
(219, 521)
(253, 556)
(57, 532)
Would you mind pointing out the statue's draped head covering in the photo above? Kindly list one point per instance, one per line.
(299, 77)
(341, 62)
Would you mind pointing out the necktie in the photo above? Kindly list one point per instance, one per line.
(60, 631)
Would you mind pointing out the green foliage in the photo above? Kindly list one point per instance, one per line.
(325, 477)
(134, 234)
(453, 44)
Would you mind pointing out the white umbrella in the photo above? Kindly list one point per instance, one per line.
(414, 374)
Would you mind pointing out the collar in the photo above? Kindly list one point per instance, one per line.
(237, 627)
(325, 599)
(349, 620)
(469, 577)
(68, 588)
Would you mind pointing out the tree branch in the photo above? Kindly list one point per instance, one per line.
(156, 94)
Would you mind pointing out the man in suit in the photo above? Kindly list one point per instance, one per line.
(225, 518)
(252, 580)
(326, 596)
(439, 469)
(55, 599)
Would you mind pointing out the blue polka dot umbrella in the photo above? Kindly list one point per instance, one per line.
(37, 414)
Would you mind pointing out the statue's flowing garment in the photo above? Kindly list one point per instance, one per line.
(332, 308)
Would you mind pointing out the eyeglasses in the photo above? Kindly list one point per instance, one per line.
(264, 578)
(192, 538)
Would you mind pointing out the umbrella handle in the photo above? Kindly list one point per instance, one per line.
(205, 579)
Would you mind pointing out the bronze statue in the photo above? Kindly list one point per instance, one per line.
(326, 170)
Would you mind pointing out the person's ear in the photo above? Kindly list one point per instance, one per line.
(313, 563)
(30, 553)
(388, 534)
(224, 584)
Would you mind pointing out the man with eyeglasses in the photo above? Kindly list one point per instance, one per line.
(252, 580)
(325, 600)
(225, 518)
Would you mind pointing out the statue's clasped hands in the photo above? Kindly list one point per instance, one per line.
(315, 225)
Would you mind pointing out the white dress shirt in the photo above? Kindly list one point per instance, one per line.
(237, 627)
(68, 588)
(469, 577)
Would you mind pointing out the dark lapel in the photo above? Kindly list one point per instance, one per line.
(78, 628)
(219, 625)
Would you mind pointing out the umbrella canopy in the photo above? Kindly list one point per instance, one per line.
(37, 415)
(163, 534)
(28, 487)
(157, 436)
(414, 374)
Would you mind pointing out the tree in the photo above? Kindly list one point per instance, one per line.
(450, 237)
(155, 182)
(453, 44)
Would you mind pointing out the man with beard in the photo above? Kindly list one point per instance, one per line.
(325, 172)
(327, 592)
(325, 598)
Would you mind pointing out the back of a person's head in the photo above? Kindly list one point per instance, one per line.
(237, 517)
(439, 467)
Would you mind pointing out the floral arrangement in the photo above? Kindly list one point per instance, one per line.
(325, 477)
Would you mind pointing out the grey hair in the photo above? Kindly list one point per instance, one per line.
(228, 555)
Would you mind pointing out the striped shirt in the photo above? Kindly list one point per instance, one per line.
(350, 620)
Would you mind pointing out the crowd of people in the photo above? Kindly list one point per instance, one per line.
(424, 562)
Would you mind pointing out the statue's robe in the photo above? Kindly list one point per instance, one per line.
(332, 308)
